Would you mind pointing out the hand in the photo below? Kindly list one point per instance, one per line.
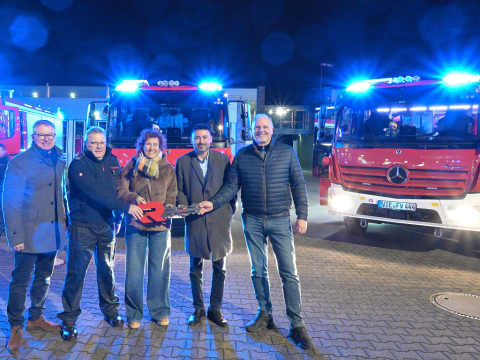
(18, 248)
(136, 212)
(206, 206)
(168, 206)
(117, 228)
(300, 227)
(180, 207)
(140, 200)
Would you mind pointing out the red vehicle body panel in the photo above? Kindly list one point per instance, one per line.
(431, 172)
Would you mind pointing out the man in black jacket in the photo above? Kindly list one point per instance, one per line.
(269, 175)
(93, 179)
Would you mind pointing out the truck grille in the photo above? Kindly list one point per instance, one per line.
(420, 182)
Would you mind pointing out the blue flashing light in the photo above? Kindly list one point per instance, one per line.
(130, 85)
(210, 86)
(360, 86)
(456, 79)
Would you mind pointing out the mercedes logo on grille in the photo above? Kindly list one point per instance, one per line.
(397, 175)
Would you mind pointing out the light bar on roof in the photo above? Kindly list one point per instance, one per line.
(210, 86)
(454, 79)
(438, 108)
(418, 108)
(360, 86)
(383, 110)
(130, 85)
(458, 107)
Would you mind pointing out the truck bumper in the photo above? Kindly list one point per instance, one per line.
(449, 214)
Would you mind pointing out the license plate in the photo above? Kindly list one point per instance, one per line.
(395, 205)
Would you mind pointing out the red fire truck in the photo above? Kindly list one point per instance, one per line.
(16, 124)
(173, 108)
(406, 151)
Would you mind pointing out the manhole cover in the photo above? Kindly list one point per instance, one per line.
(458, 304)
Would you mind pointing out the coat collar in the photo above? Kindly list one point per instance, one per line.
(42, 154)
(92, 157)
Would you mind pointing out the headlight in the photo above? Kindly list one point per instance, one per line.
(341, 202)
(463, 214)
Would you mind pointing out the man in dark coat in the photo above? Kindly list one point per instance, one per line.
(269, 175)
(35, 208)
(200, 174)
(93, 177)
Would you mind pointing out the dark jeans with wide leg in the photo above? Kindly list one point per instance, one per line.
(82, 244)
(279, 232)
(24, 263)
(218, 282)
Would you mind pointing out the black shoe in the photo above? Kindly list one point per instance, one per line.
(262, 320)
(196, 317)
(301, 338)
(114, 321)
(215, 316)
(69, 332)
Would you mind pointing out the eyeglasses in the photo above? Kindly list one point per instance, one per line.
(96, 144)
(48, 136)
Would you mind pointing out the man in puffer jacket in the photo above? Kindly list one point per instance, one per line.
(269, 175)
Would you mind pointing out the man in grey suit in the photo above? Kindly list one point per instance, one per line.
(35, 208)
(200, 174)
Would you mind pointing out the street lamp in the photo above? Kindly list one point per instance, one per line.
(322, 65)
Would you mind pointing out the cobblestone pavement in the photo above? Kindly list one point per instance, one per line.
(363, 298)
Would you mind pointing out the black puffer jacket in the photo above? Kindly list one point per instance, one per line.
(267, 185)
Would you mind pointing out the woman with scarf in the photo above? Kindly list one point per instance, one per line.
(148, 177)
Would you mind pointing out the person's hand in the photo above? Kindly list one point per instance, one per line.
(140, 200)
(168, 206)
(182, 207)
(117, 228)
(18, 248)
(206, 206)
(300, 227)
(135, 211)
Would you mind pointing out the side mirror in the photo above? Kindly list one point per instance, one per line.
(105, 110)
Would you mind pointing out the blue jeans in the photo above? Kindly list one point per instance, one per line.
(17, 294)
(158, 244)
(218, 282)
(279, 232)
(84, 242)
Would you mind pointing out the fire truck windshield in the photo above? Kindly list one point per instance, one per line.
(175, 113)
(415, 116)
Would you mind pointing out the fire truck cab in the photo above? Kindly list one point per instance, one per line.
(406, 150)
(173, 108)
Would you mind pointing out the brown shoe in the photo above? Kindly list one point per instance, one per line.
(15, 343)
(42, 324)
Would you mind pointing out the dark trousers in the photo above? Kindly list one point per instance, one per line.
(218, 282)
(42, 264)
(84, 242)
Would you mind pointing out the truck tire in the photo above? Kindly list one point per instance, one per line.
(352, 225)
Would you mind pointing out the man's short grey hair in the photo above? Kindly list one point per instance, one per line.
(95, 130)
(43, 122)
(254, 121)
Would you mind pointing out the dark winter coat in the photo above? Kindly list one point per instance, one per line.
(162, 189)
(210, 233)
(268, 185)
(33, 197)
(93, 190)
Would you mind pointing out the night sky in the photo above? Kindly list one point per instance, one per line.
(276, 43)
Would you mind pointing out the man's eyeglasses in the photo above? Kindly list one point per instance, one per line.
(95, 144)
(48, 136)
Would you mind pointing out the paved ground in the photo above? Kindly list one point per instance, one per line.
(363, 298)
